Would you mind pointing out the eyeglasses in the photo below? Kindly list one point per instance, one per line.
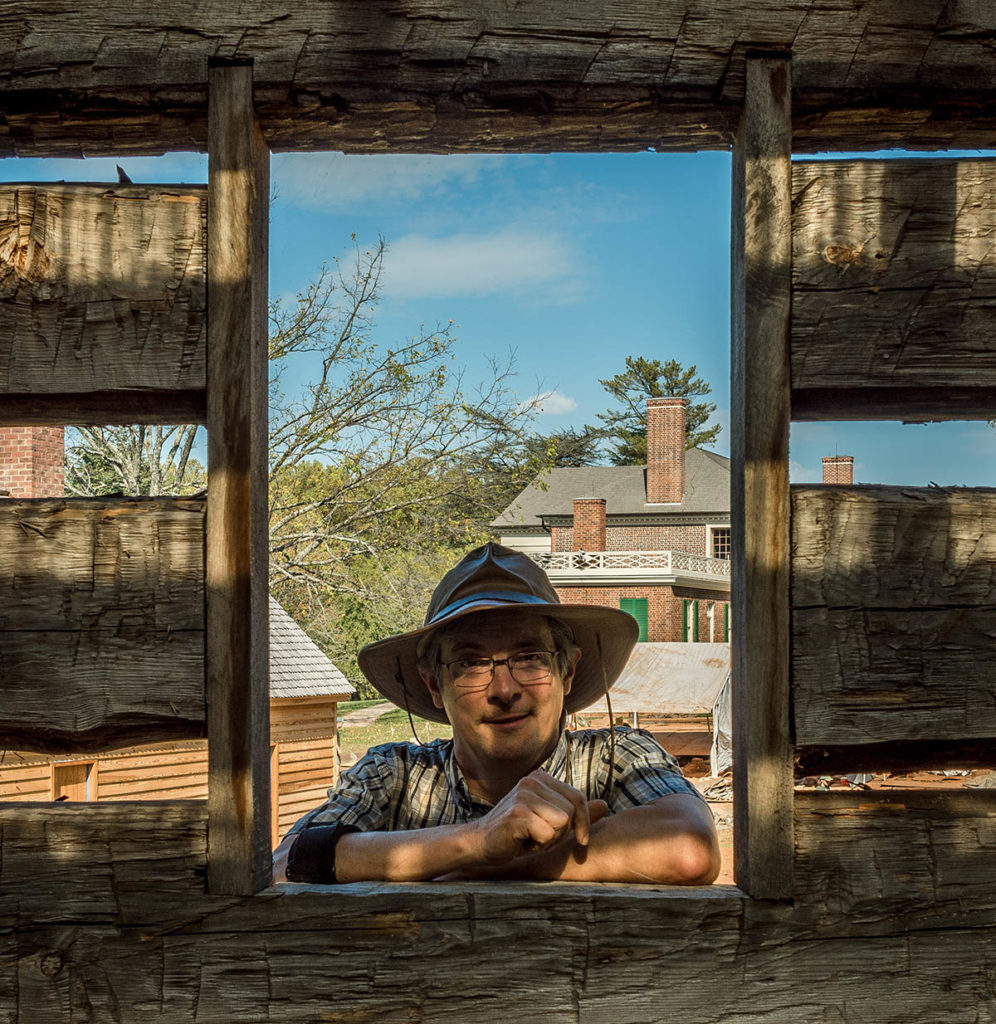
(525, 668)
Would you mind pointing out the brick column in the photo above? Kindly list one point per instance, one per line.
(665, 450)
(32, 462)
(589, 524)
(838, 469)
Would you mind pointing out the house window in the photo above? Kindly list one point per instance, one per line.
(720, 542)
(75, 782)
(639, 608)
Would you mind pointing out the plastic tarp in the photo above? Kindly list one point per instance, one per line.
(682, 679)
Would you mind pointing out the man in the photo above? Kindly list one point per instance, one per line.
(513, 795)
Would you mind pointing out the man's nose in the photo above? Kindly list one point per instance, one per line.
(504, 685)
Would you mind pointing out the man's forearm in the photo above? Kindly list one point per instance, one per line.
(411, 856)
(671, 841)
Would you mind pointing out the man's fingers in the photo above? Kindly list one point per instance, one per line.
(597, 809)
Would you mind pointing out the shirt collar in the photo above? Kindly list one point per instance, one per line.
(555, 765)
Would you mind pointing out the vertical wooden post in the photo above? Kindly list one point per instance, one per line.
(236, 558)
(761, 296)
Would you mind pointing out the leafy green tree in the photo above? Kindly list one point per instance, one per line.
(567, 447)
(651, 378)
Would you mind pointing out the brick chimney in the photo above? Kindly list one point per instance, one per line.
(32, 462)
(589, 524)
(665, 450)
(838, 469)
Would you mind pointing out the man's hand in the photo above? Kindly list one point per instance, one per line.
(535, 815)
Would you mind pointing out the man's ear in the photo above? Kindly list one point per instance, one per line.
(571, 667)
(432, 685)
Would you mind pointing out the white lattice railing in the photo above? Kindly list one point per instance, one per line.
(609, 561)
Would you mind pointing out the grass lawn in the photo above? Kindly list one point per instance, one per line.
(392, 727)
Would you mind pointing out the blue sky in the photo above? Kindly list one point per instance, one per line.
(572, 262)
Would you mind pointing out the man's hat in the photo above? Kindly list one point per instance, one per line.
(499, 578)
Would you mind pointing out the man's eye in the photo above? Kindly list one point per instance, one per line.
(473, 664)
(530, 658)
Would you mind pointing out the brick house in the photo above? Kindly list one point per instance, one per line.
(653, 540)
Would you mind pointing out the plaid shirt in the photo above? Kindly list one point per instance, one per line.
(403, 786)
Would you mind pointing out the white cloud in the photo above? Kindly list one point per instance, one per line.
(801, 474)
(332, 181)
(501, 263)
(551, 403)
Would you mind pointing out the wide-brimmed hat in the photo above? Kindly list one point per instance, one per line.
(499, 578)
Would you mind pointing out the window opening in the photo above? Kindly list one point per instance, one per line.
(74, 782)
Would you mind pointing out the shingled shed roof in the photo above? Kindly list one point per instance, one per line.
(297, 666)
(707, 489)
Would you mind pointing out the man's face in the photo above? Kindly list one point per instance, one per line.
(504, 725)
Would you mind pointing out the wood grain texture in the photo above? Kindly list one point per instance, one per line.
(119, 862)
(894, 284)
(759, 497)
(893, 614)
(102, 289)
(101, 621)
(237, 541)
(426, 75)
(874, 863)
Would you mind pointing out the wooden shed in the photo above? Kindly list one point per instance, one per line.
(861, 290)
(305, 688)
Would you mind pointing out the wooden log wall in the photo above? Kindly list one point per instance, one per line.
(102, 303)
(470, 75)
(105, 911)
(101, 622)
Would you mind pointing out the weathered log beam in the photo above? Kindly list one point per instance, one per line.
(893, 614)
(893, 288)
(459, 76)
(237, 535)
(761, 259)
(102, 291)
(101, 622)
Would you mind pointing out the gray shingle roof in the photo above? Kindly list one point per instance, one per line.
(297, 666)
(707, 489)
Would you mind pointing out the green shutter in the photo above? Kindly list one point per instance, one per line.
(726, 623)
(639, 608)
(684, 621)
(695, 622)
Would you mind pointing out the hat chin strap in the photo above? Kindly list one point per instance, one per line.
(399, 678)
(607, 789)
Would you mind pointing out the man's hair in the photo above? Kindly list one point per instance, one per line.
(560, 634)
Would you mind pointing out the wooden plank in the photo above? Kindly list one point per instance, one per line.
(102, 862)
(893, 614)
(102, 290)
(616, 957)
(237, 534)
(101, 621)
(902, 860)
(894, 287)
(436, 76)
(761, 264)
